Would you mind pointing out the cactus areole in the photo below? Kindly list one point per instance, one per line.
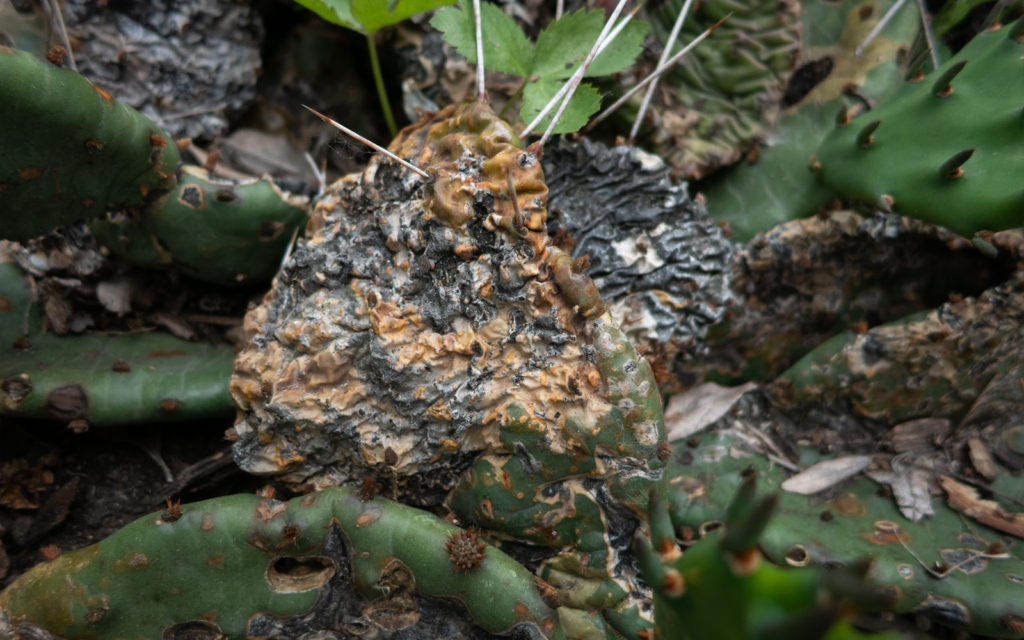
(429, 335)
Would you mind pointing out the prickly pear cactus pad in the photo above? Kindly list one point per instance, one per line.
(807, 280)
(949, 148)
(223, 231)
(251, 567)
(70, 150)
(101, 379)
(948, 567)
(432, 333)
(726, 92)
(661, 264)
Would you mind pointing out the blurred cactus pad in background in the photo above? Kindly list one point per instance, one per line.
(738, 356)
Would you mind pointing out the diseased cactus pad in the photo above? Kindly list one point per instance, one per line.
(430, 332)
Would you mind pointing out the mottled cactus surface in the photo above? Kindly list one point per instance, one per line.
(430, 337)
(251, 567)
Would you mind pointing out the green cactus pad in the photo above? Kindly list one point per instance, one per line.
(946, 567)
(721, 587)
(725, 93)
(102, 379)
(949, 148)
(779, 185)
(70, 151)
(249, 566)
(214, 230)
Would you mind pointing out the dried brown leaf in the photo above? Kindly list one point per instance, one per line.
(965, 499)
(923, 433)
(692, 411)
(981, 459)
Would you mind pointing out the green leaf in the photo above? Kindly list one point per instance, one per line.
(585, 103)
(374, 15)
(334, 11)
(506, 48)
(621, 53)
(565, 43)
(369, 16)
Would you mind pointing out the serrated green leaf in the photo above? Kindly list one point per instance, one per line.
(585, 103)
(334, 11)
(374, 15)
(565, 43)
(621, 53)
(369, 16)
(506, 48)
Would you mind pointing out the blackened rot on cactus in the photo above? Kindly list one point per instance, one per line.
(438, 321)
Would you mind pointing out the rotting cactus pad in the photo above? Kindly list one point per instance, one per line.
(430, 336)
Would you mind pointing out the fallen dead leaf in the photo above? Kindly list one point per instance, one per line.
(692, 411)
(965, 499)
(923, 433)
(981, 459)
(825, 474)
(115, 295)
(912, 480)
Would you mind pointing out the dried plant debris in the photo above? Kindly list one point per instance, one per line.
(825, 474)
(690, 412)
(654, 254)
(967, 500)
(188, 65)
(807, 280)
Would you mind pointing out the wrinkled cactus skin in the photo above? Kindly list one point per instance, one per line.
(250, 567)
(433, 333)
